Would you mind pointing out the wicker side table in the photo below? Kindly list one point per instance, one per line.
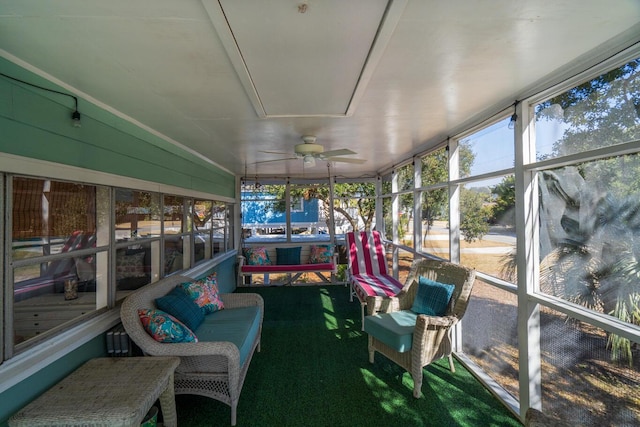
(111, 391)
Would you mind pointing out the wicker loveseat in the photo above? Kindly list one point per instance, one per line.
(217, 364)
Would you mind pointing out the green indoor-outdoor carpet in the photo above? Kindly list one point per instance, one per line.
(313, 370)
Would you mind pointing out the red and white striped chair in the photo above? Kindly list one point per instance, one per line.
(367, 272)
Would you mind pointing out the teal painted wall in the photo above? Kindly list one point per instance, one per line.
(21, 394)
(37, 124)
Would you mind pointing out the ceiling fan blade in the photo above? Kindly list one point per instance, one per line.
(345, 160)
(276, 160)
(333, 153)
(274, 152)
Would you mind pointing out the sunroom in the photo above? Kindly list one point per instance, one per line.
(144, 140)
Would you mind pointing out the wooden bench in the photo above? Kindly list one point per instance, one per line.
(293, 271)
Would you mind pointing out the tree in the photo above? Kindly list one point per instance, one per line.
(361, 196)
(590, 217)
(503, 211)
(603, 111)
(474, 215)
(435, 170)
(405, 201)
(348, 197)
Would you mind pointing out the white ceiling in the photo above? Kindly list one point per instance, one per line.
(231, 79)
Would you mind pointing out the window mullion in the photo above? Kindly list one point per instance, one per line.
(6, 350)
(527, 262)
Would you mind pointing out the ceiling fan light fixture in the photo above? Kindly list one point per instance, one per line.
(309, 160)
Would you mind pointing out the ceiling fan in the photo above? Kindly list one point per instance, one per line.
(309, 151)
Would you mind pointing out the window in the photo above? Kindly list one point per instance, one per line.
(491, 340)
(487, 150)
(435, 222)
(177, 239)
(309, 211)
(405, 177)
(484, 203)
(354, 206)
(405, 219)
(212, 231)
(297, 204)
(487, 205)
(434, 212)
(220, 228)
(61, 237)
(589, 214)
(488, 239)
(264, 212)
(137, 221)
(601, 112)
(57, 266)
(229, 227)
(590, 232)
(203, 228)
(387, 217)
(137, 214)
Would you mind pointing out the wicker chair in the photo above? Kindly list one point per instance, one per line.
(430, 336)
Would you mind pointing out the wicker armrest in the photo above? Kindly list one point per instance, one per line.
(202, 348)
(202, 357)
(430, 334)
(423, 321)
(378, 304)
(233, 300)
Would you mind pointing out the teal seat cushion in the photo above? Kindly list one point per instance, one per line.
(240, 326)
(394, 329)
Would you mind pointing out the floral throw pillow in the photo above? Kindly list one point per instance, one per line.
(205, 293)
(212, 282)
(257, 256)
(320, 254)
(165, 328)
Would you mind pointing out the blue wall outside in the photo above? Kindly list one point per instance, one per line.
(260, 212)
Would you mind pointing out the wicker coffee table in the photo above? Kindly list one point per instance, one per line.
(111, 391)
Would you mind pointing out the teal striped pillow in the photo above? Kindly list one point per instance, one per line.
(180, 305)
(432, 298)
(288, 256)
